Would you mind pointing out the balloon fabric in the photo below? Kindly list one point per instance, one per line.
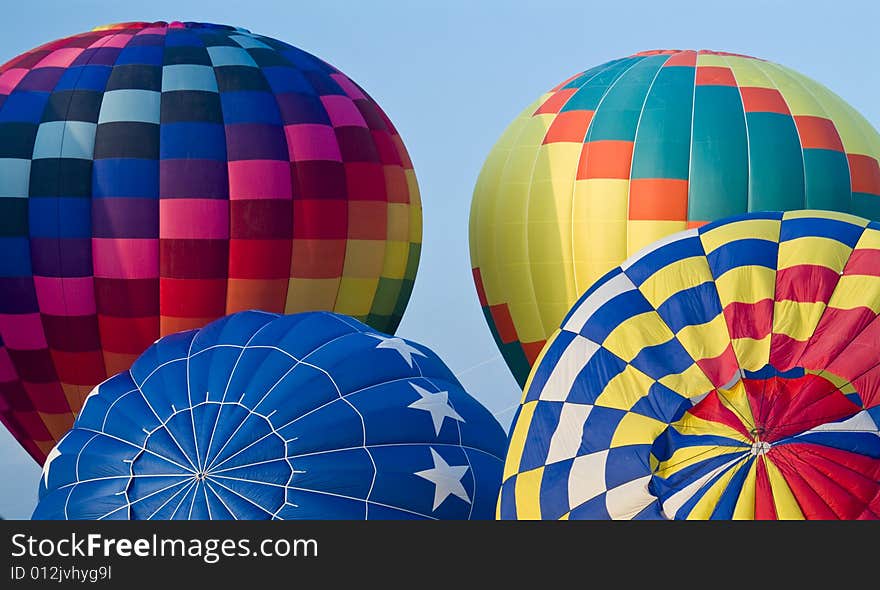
(260, 416)
(157, 176)
(725, 372)
(641, 147)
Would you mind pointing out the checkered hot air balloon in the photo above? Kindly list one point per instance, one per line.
(639, 148)
(157, 176)
(259, 416)
(725, 372)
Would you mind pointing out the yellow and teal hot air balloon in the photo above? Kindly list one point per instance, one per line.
(639, 148)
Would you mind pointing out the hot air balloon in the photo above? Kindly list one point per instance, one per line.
(725, 372)
(639, 148)
(157, 176)
(260, 416)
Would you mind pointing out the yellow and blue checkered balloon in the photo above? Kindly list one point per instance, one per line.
(730, 371)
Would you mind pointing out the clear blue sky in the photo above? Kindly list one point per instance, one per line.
(452, 75)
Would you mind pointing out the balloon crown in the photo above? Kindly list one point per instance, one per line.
(697, 51)
(161, 24)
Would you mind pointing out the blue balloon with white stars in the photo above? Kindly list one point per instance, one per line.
(265, 416)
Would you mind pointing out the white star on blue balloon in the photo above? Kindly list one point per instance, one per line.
(436, 404)
(400, 345)
(446, 479)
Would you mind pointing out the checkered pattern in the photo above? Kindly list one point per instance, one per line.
(638, 148)
(665, 374)
(156, 176)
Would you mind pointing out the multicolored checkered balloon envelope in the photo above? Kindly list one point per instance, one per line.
(641, 147)
(157, 176)
(258, 416)
(730, 371)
